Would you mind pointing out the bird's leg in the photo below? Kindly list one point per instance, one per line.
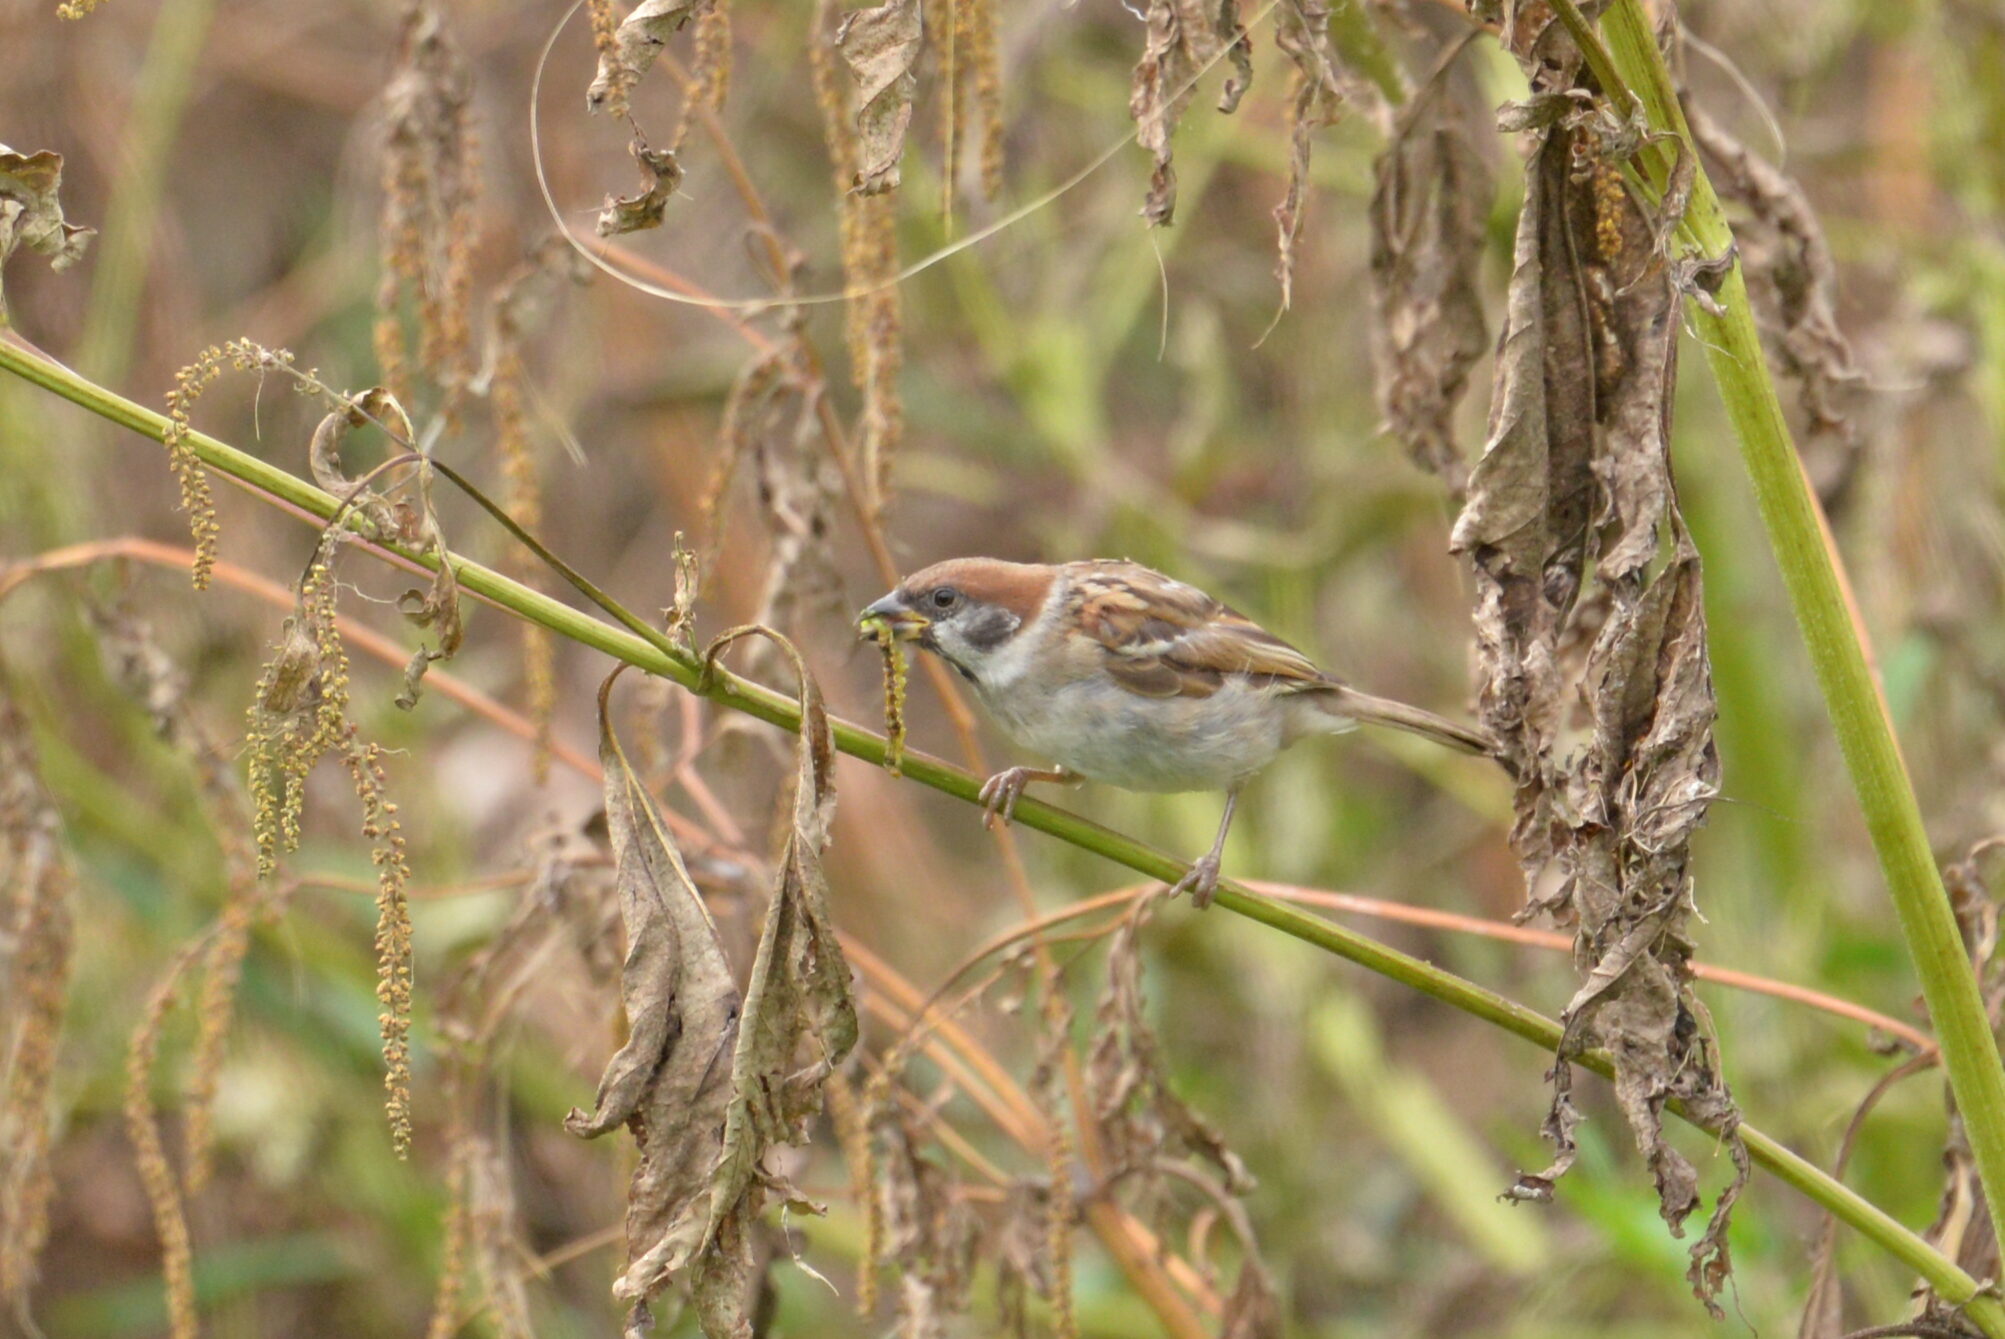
(1202, 881)
(1000, 792)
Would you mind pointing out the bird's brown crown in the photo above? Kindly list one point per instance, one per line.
(1019, 588)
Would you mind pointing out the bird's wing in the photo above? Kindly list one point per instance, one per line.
(1162, 638)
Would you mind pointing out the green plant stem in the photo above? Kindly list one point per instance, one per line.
(657, 655)
(1726, 328)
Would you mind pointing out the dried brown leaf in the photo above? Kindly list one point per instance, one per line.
(661, 173)
(1156, 100)
(798, 997)
(635, 45)
(32, 212)
(1322, 86)
(881, 45)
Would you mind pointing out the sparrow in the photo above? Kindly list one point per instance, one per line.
(1119, 674)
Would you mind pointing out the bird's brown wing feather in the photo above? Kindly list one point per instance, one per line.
(1165, 639)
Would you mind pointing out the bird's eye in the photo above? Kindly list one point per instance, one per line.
(946, 597)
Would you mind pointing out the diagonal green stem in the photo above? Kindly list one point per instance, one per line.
(671, 662)
(1796, 532)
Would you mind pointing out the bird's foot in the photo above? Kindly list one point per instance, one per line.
(1201, 882)
(1000, 793)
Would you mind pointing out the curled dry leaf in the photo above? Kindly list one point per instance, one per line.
(378, 406)
(1430, 198)
(1184, 37)
(881, 45)
(634, 46)
(707, 1083)
(1573, 528)
(661, 173)
(32, 212)
(436, 607)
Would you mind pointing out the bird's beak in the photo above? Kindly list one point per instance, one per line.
(906, 623)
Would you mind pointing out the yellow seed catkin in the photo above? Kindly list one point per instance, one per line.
(894, 696)
(196, 500)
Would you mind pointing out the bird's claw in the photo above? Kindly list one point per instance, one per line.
(1000, 793)
(1201, 882)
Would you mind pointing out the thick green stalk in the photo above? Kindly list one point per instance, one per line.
(1732, 343)
(657, 655)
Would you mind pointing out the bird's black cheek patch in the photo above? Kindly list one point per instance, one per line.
(986, 629)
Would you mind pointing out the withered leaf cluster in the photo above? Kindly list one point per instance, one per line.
(710, 1080)
(1591, 627)
(1152, 1136)
(1184, 38)
(31, 212)
(1142, 1119)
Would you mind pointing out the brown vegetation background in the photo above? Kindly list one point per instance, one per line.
(355, 184)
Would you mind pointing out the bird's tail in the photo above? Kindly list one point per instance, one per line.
(1346, 701)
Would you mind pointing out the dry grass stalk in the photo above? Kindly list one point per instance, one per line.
(984, 58)
(874, 314)
(428, 229)
(156, 1174)
(518, 305)
(37, 943)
